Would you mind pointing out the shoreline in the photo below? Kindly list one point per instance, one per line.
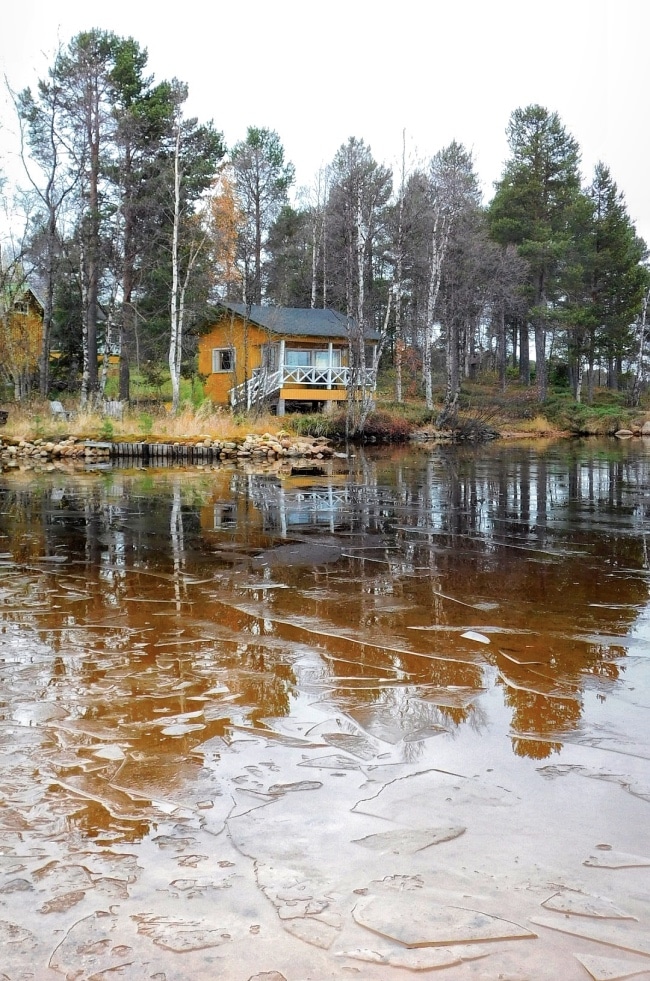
(19, 452)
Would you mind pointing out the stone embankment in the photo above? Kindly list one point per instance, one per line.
(151, 452)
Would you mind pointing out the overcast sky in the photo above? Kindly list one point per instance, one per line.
(321, 72)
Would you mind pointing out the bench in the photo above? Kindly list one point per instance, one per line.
(58, 412)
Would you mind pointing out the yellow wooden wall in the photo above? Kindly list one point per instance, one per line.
(246, 339)
(20, 344)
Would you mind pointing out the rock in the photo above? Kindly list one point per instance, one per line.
(645, 428)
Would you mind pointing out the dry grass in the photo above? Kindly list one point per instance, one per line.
(539, 424)
(36, 421)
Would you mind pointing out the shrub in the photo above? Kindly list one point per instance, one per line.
(387, 427)
(316, 424)
(586, 420)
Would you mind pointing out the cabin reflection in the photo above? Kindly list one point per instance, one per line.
(307, 504)
(285, 505)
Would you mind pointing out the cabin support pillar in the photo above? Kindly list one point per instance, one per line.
(279, 411)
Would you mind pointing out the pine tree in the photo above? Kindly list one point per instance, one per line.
(533, 209)
(618, 280)
(143, 116)
(44, 158)
(262, 179)
(82, 75)
(289, 264)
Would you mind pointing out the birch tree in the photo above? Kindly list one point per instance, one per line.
(196, 153)
(399, 276)
(316, 203)
(179, 282)
(357, 212)
(44, 157)
(641, 327)
(454, 190)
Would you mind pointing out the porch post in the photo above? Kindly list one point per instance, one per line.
(281, 365)
(330, 347)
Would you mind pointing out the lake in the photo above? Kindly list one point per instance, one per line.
(386, 713)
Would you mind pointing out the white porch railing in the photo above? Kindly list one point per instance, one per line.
(264, 384)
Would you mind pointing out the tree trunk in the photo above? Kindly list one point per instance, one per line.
(501, 349)
(314, 261)
(48, 306)
(438, 248)
(591, 372)
(540, 359)
(612, 375)
(357, 383)
(128, 277)
(176, 323)
(452, 387)
(85, 372)
(637, 383)
(398, 281)
(257, 272)
(93, 245)
(324, 260)
(524, 354)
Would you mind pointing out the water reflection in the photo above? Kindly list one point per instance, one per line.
(379, 565)
(376, 608)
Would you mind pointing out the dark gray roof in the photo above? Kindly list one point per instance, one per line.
(29, 288)
(298, 321)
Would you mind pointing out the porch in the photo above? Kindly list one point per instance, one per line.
(300, 374)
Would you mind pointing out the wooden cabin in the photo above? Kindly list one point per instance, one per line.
(21, 336)
(282, 357)
(23, 317)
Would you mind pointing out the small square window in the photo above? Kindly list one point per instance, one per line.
(223, 359)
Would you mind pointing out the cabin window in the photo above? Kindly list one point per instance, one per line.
(297, 359)
(308, 358)
(21, 306)
(223, 359)
(225, 516)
